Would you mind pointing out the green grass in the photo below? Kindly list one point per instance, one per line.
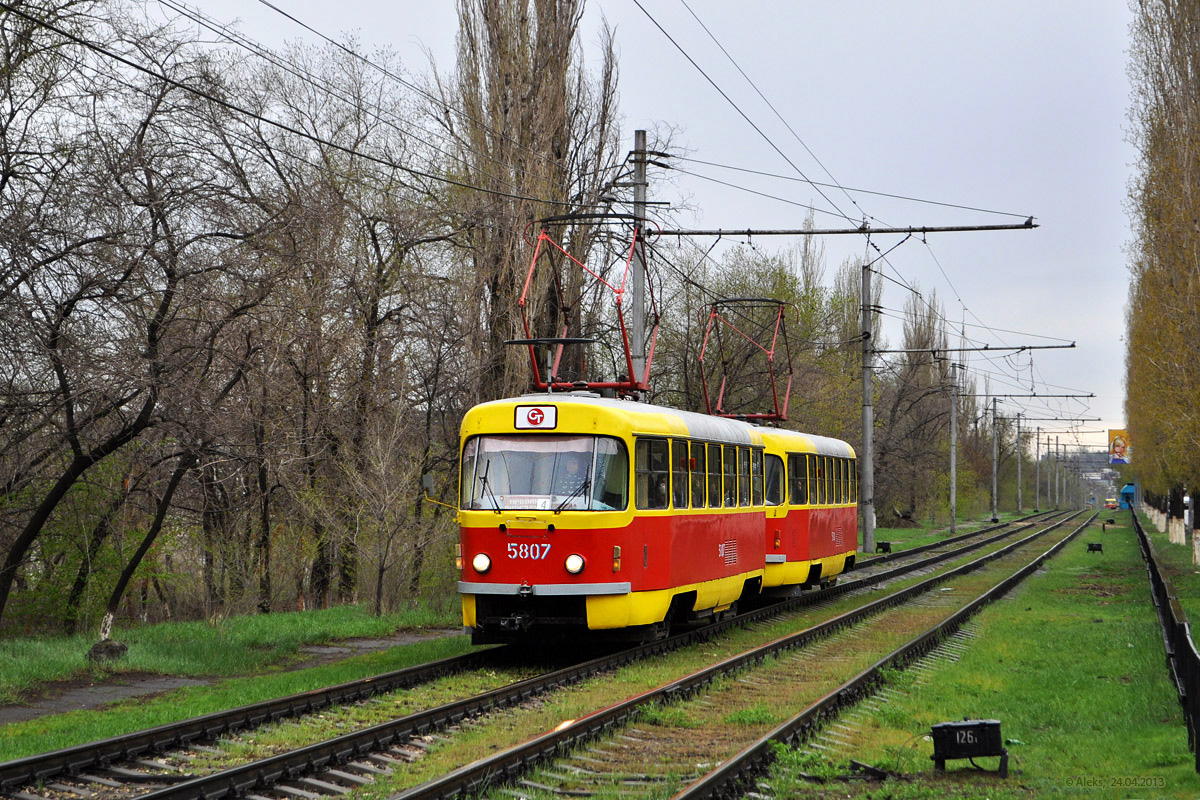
(924, 533)
(235, 646)
(1177, 561)
(1072, 664)
(63, 730)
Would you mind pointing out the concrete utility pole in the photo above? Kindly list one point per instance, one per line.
(1057, 472)
(866, 459)
(1037, 469)
(637, 313)
(953, 447)
(1049, 473)
(995, 461)
(1019, 459)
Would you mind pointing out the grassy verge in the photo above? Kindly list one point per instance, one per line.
(1177, 561)
(53, 732)
(63, 730)
(924, 533)
(1072, 665)
(235, 646)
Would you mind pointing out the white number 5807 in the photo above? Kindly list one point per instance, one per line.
(532, 552)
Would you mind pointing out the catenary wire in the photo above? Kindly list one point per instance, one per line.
(735, 106)
(231, 106)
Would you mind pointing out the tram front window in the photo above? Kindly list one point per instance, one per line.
(554, 473)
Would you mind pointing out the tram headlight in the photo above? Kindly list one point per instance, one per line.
(574, 563)
(481, 562)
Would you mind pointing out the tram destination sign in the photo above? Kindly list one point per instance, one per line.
(539, 418)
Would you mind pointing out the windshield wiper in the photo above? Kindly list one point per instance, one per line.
(583, 485)
(483, 481)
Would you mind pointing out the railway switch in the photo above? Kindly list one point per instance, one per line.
(971, 738)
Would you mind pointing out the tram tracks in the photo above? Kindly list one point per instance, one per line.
(366, 751)
(668, 755)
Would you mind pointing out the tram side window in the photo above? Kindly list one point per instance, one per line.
(853, 481)
(773, 469)
(679, 470)
(651, 469)
(743, 469)
(714, 475)
(612, 473)
(819, 477)
(845, 480)
(699, 475)
(757, 466)
(840, 495)
(730, 472)
(811, 465)
(797, 480)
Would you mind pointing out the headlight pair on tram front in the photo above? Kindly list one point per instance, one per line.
(573, 563)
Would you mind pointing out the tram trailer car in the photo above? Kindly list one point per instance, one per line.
(590, 518)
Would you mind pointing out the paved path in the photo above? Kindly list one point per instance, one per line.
(86, 695)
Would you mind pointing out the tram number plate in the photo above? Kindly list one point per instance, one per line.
(528, 552)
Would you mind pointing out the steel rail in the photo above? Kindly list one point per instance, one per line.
(506, 765)
(869, 562)
(127, 747)
(741, 770)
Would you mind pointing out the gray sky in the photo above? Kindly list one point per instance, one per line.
(1017, 107)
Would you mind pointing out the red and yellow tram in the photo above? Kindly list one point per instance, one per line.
(590, 517)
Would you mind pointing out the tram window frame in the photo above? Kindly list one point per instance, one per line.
(819, 479)
(730, 476)
(841, 481)
(715, 470)
(853, 480)
(797, 479)
(756, 477)
(679, 467)
(729, 467)
(699, 470)
(645, 449)
(773, 463)
(743, 476)
(830, 480)
(810, 473)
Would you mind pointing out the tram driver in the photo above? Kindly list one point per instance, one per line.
(569, 479)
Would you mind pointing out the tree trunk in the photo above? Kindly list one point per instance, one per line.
(185, 463)
(99, 534)
(80, 464)
(264, 521)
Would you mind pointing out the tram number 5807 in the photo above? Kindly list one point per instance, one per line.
(528, 552)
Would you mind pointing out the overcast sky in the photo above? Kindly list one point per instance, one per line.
(1016, 107)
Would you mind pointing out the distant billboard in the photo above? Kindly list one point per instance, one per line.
(1119, 449)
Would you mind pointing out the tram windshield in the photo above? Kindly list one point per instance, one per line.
(554, 473)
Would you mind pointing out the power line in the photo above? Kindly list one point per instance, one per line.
(735, 106)
(848, 189)
(101, 50)
(778, 116)
(240, 39)
(447, 107)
